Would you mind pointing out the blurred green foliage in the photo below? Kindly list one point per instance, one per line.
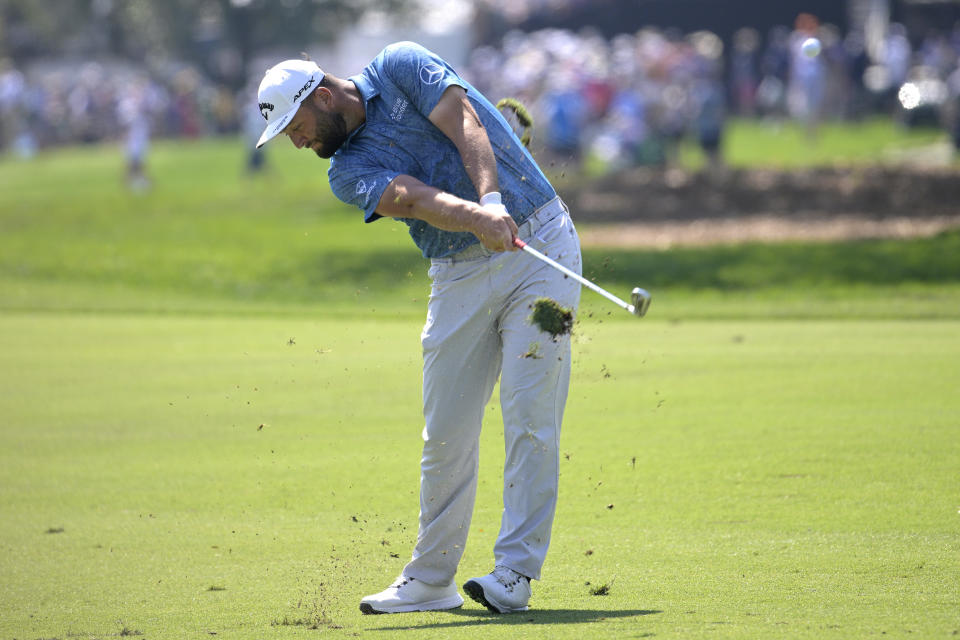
(218, 36)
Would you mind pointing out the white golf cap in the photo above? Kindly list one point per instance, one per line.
(282, 89)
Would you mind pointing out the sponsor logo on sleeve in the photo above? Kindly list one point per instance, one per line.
(399, 108)
(365, 190)
(431, 73)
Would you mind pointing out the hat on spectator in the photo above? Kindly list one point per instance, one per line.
(282, 89)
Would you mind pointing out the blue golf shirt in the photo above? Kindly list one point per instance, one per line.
(400, 88)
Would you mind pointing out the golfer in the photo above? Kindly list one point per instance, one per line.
(409, 139)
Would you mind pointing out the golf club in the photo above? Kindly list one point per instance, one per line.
(639, 297)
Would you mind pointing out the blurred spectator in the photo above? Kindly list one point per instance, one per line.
(837, 89)
(774, 68)
(186, 112)
(807, 82)
(252, 129)
(13, 109)
(856, 64)
(134, 112)
(710, 116)
(745, 71)
(224, 111)
(937, 53)
(565, 112)
(627, 132)
(707, 94)
(896, 55)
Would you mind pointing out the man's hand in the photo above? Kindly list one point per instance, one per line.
(495, 228)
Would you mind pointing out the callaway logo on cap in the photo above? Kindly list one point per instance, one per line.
(282, 89)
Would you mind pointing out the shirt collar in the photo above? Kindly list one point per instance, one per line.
(368, 91)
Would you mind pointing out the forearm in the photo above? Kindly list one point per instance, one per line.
(477, 156)
(440, 209)
(407, 197)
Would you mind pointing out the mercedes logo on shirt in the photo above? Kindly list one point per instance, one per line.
(431, 73)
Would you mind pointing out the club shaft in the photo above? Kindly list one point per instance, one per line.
(556, 265)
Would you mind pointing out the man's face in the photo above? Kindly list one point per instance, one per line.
(314, 127)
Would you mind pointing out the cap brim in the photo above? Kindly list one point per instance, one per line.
(276, 126)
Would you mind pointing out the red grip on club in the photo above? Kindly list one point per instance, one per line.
(518, 243)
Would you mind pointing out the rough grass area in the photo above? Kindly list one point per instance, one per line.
(72, 238)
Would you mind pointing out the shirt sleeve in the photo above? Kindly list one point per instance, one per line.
(361, 186)
(419, 73)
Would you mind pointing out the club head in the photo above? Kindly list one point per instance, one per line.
(640, 298)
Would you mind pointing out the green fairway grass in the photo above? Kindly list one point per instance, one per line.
(211, 423)
(255, 477)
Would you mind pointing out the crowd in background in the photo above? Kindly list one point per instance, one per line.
(59, 104)
(626, 100)
(630, 99)
(56, 105)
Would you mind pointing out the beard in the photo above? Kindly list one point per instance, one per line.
(331, 132)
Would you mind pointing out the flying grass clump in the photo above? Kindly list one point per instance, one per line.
(551, 317)
(523, 117)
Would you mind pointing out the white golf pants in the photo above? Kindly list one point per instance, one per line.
(478, 328)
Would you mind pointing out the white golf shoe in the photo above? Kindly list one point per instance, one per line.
(409, 594)
(503, 591)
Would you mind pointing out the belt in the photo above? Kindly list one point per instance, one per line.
(525, 231)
